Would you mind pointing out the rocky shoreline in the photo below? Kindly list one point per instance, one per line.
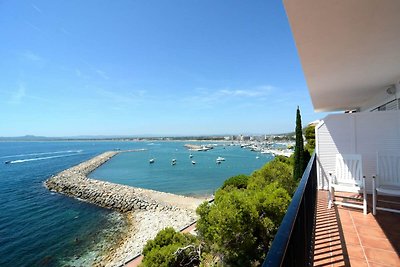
(144, 225)
(148, 211)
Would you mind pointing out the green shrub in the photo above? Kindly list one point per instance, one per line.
(277, 170)
(241, 224)
(171, 248)
(238, 181)
(309, 133)
(237, 228)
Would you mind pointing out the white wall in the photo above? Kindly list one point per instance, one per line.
(363, 133)
(383, 98)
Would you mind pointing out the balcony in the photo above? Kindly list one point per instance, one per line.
(346, 237)
(333, 237)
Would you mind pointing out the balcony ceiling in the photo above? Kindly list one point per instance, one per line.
(349, 49)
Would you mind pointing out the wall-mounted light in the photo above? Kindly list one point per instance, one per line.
(391, 90)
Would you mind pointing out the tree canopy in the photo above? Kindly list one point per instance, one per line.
(238, 181)
(309, 133)
(237, 228)
(171, 248)
(241, 224)
(299, 162)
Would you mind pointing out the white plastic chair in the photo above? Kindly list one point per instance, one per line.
(387, 180)
(348, 178)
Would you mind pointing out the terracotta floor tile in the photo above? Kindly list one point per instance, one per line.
(325, 226)
(322, 238)
(356, 262)
(359, 214)
(382, 256)
(351, 239)
(339, 261)
(355, 251)
(338, 264)
(323, 234)
(348, 228)
(345, 219)
(364, 230)
(328, 230)
(323, 243)
(325, 223)
(336, 242)
(367, 221)
(324, 262)
(337, 253)
(354, 238)
(380, 243)
(322, 251)
(336, 245)
(324, 257)
(374, 264)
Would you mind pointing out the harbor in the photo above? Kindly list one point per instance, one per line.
(149, 211)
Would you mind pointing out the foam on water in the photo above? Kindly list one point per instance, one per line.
(42, 153)
(40, 228)
(43, 158)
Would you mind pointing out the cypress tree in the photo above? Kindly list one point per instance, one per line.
(299, 149)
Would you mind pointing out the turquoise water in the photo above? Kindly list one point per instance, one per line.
(184, 178)
(41, 228)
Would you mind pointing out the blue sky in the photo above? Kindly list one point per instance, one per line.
(148, 67)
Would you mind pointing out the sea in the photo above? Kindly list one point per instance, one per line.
(43, 228)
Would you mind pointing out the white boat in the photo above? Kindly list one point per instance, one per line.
(218, 162)
(193, 162)
(190, 156)
(220, 159)
(151, 161)
(173, 160)
(257, 157)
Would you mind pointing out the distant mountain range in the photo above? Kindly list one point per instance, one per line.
(120, 137)
(46, 138)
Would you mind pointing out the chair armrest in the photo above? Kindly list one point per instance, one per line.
(332, 178)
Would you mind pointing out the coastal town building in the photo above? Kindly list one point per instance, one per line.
(349, 51)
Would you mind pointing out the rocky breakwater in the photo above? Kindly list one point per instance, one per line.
(147, 211)
(75, 183)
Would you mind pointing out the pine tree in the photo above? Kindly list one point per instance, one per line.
(299, 149)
